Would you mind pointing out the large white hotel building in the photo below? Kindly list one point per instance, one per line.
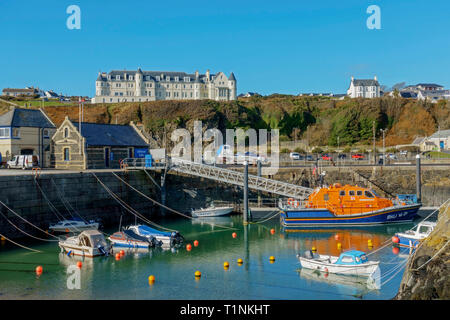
(140, 86)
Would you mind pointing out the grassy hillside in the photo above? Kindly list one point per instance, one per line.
(321, 120)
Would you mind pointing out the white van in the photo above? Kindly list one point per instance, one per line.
(23, 162)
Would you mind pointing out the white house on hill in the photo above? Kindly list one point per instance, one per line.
(364, 88)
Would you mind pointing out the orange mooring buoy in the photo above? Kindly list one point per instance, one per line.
(234, 235)
(39, 270)
(188, 247)
(195, 243)
(117, 256)
(272, 231)
(79, 264)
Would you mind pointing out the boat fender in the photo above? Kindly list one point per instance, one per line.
(295, 204)
(290, 201)
(69, 253)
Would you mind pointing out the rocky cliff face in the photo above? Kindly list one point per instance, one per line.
(427, 274)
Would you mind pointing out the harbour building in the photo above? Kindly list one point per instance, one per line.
(141, 86)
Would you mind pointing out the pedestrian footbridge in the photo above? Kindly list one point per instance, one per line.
(223, 175)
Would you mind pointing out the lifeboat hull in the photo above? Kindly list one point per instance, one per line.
(323, 217)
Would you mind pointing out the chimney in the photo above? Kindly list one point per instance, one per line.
(353, 78)
(207, 74)
(196, 74)
(375, 78)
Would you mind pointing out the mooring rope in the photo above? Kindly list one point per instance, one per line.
(11, 210)
(128, 207)
(160, 204)
(37, 238)
(264, 220)
(18, 244)
(66, 203)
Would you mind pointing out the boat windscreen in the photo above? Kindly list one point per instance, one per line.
(132, 234)
(376, 194)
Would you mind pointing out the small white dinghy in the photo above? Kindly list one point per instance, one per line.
(74, 225)
(351, 262)
(212, 211)
(412, 238)
(89, 243)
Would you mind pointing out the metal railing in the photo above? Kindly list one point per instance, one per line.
(224, 175)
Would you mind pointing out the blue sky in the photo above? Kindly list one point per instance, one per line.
(271, 46)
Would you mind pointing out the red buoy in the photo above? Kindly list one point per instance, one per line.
(117, 256)
(395, 239)
(79, 264)
(188, 247)
(337, 237)
(195, 243)
(122, 253)
(272, 231)
(234, 235)
(395, 250)
(39, 270)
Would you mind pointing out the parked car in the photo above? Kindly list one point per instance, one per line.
(294, 156)
(310, 158)
(357, 156)
(342, 156)
(326, 157)
(23, 162)
(404, 153)
(392, 156)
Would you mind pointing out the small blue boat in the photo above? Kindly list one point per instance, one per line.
(129, 239)
(412, 238)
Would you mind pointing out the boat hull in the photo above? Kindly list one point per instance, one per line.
(81, 250)
(323, 217)
(405, 241)
(363, 270)
(129, 244)
(75, 228)
(218, 212)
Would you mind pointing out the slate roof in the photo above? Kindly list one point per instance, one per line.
(443, 134)
(112, 135)
(25, 118)
(429, 85)
(232, 77)
(365, 82)
(154, 74)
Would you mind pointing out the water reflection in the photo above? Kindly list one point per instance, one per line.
(333, 241)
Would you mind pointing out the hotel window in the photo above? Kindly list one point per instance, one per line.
(66, 154)
(177, 78)
(117, 77)
(167, 78)
(4, 132)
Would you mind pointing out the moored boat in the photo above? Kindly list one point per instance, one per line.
(73, 225)
(346, 205)
(412, 238)
(166, 238)
(351, 262)
(129, 239)
(89, 243)
(212, 211)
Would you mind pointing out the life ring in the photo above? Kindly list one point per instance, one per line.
(296, 204)
(290, 201)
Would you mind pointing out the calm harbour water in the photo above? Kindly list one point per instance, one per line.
(257, 278)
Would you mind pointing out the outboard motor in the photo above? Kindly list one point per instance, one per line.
(102, 250)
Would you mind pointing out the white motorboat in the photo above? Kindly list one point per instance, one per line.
(89, 243)
(163, 238)
(412, 238)
(351, 262)
(212, 211)
(73, 225)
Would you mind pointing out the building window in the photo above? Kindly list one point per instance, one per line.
(15, 132)
(117, 77)
(66, 154)
(45, 133)
(66, 132)
(130, 153)
(4, 132)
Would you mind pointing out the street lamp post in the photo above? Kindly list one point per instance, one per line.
(384, 148)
